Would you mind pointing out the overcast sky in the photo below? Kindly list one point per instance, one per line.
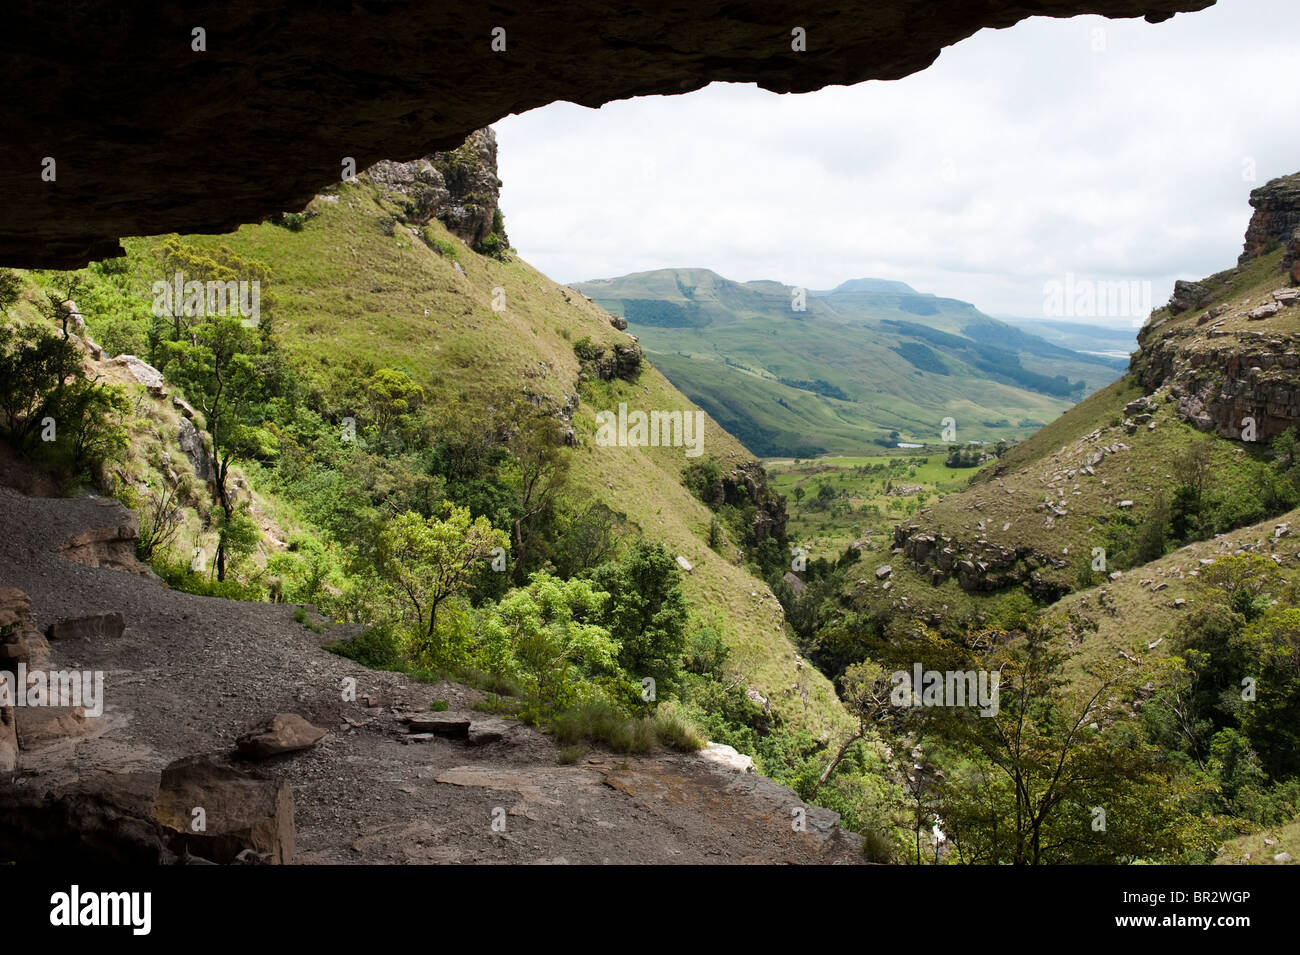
(1020, 156)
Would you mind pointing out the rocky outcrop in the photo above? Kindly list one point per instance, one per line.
(747, 485)
(368, 82)
(979, 565)
(1275, 221)
(109, 544)
(190, 440)
(1243, 374)
(608, 362)
(459, 188)
(1188, 295)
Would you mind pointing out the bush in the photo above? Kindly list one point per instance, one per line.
(376, 647)
(601, 722)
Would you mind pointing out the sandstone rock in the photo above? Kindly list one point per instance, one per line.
(459, 188)
(482, 732)
(8, 740)
(455, 725)
(143, 372)
(1283, 858)
(104, 818)
(44, 725)
(183, 406)
(1276, 218)
(20, 641)
(883, 571)
(1187, 295)
(282, 733)
(1264, 311)
(727, 757)
(619, 322)
(241, 811)
(684, 564)
(191, 442)
(109, 625)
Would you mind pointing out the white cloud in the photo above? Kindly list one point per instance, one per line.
(1020, 155)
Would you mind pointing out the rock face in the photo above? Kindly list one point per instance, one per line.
(1276, 220)
(111, 544)
(1244, 375)
(459, 188)
(240, 812)
(748, 485)
(381, 81)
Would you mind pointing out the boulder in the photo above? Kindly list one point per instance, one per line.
(100, 818)
(239, 811)
(282, 733)
(727, 757)
(1188, 295)
(482, 732)
(454, 725)
(883, 571)
(143, 372)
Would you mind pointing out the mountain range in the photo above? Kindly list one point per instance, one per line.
(871, 362)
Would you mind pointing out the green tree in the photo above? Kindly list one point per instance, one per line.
(547, 636)
(427, 560)
(646, 612)
(537, 471)
(1061, 772)
(228, 370)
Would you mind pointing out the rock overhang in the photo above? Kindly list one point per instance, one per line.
(149, 135)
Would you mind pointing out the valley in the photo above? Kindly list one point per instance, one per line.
(862, 366)
(372, 543)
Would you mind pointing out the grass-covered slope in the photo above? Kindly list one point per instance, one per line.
(353, 285)
(1111, 474)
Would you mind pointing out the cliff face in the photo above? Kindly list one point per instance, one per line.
(459, 188)
(1275, 222)
(1238, 362)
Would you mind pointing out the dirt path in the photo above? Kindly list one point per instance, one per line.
(190, 674)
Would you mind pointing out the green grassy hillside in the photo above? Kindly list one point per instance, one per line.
(436, 320)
